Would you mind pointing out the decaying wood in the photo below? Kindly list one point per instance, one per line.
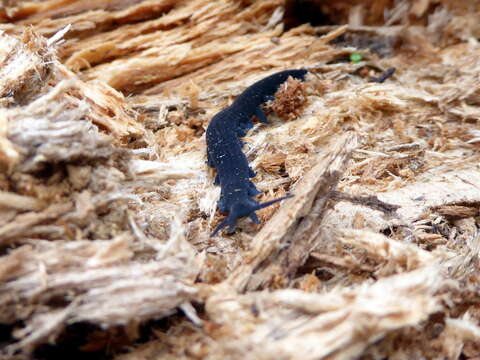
(286, 241)
(440, 191)
(335, 325)
(106, 287)
(107, 204)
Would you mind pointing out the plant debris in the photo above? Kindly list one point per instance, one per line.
(107, 202)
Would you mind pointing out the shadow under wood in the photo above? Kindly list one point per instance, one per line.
(285, 242)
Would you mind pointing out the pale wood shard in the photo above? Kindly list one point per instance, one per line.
(45, 13)
(298, 223)
(108, 289)
(20, 202)
(23, 224)
(59, 108)
(257, 52)
(394, 256)
(338, 324)
(107, 203)
(438, 191)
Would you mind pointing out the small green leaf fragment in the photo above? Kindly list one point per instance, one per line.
(355, 57)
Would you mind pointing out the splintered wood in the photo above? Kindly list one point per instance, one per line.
(297, 223)
(107, 203)
(337, 325)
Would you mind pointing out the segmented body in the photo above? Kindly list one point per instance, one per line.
(224, 148)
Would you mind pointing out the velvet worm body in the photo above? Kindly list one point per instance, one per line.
(224, 149)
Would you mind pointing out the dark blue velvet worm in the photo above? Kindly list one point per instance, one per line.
(224, 149)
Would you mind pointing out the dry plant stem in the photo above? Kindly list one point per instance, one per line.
(371, 201)
(286, 240)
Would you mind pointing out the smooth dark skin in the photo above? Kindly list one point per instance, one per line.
(224, 149)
